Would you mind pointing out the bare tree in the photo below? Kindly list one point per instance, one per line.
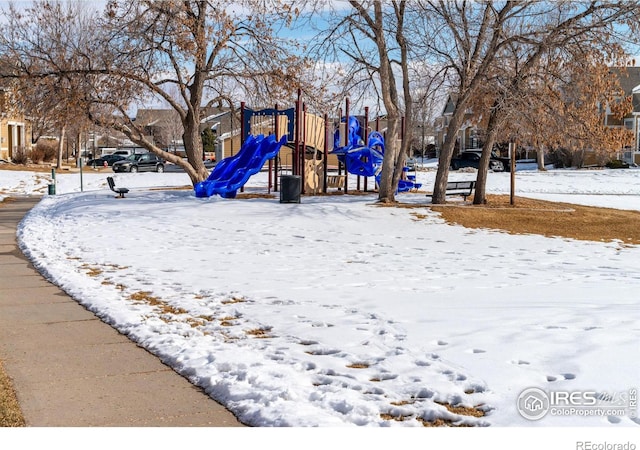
(463, 37)
(468, 38)
(561, 55)
(37, 40)
(372, 36)
(587, 91)
(142, 50)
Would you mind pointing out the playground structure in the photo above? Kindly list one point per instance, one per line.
(365, 159)
(232, 173)
(295, 141)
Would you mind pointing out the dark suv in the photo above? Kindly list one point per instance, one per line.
(140, 162)
(472, 159)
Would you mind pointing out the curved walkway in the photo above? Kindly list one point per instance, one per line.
(69, 368)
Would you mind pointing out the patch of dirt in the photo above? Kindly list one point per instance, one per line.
(176, 188)
(260, 333)
(463, 410)
(358, 365)
(32, 167)
(529, 216)
(245, 196)
(438, 422)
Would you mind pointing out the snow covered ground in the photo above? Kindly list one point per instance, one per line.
(336, 312)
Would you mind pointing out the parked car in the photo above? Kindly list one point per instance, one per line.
(472, 159)
(140, 162)
(109, 159)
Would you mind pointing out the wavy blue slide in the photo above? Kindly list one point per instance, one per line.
(232, 173)
(365, 160)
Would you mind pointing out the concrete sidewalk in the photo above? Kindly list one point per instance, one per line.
(71, 369)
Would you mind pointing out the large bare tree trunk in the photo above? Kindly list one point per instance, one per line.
(63, 132)
(540, 158)
(442, 175)
(193, 148)
(480, 196)
(386, 193)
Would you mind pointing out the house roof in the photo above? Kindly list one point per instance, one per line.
(150, 117)
(629, 78)
(450, 104)
(219, 117)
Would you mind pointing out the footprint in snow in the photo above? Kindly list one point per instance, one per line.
(520, 362)
(564, 376)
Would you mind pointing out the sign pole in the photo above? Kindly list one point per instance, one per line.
(512, 172)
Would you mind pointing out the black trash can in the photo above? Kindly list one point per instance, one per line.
(52, 189)
(290, 187)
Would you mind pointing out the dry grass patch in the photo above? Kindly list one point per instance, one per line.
(463, 410)
(27, 167)
(146, 297)
(246, 196)
(92, 271)
(233, 300)
(228, 321)
(440, 423)
(174, 188)
(529, 216)
(341, 192)
(386, 416)
(10, 412)
(358, 365)
(168, 309)
(260, 333)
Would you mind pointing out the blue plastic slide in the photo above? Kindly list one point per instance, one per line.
(232, 173)
(365, 160)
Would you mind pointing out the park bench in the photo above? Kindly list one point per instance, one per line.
(463, 188)
(119, 191)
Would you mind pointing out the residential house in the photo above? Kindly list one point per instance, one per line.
(15, 130)
(629, 78)
(164, 128)
(469, 136)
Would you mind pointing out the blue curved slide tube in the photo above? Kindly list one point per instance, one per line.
(232, 173)
(365, 160)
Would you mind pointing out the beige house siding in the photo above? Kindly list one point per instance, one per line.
(14, 133)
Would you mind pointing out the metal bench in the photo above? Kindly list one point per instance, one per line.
(119, 191)
(463, 188)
